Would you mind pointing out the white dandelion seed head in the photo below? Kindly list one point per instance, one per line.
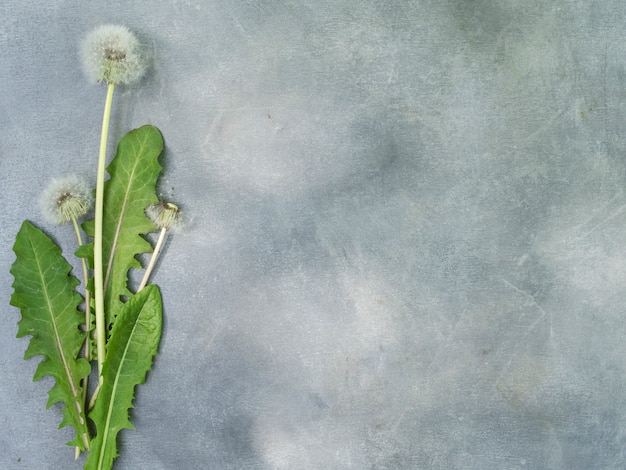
(112, 54)
(165, 215)
(65, 199)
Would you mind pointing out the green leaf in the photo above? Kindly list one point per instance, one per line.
(86, 251)
(130, 189)
(134, 342)
(45, 292)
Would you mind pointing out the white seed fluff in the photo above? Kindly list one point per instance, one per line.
(111, 54)
(66, 198)
(165, 215)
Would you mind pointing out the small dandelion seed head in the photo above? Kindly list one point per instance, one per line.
(111, 54)
(66, 199)
(165, 215)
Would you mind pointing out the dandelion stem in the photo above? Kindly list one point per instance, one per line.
(86, 352)
(97, 253)
(153, 259)
(87, 348)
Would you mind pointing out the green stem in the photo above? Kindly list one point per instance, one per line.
(79, 239)
(86, 349)
(97, 249)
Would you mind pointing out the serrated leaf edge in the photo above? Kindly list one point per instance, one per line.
(42, 367)
(148, 291)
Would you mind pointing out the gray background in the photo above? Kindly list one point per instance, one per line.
(406, 237)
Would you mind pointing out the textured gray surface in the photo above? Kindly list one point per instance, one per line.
(407, 244)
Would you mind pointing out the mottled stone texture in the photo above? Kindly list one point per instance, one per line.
(406, 245)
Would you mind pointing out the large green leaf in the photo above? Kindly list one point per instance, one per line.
(130, 189)
(45, 292)
(134, 341)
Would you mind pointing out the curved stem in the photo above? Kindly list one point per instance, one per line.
(97, 249)
(86, 349)
(153, 259)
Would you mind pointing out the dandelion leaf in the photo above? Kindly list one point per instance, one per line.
(86, 251)
(130, 189)
(45, 293)
(134, 342)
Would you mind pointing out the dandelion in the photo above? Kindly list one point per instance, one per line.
(66, 200)
(111, 54)
(166, 216)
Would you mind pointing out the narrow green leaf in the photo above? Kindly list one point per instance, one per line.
(45, 292)
(134, 341)
(130, 189)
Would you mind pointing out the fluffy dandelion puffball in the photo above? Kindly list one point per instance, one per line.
(111, 54)
(165, 215)
(66, 199)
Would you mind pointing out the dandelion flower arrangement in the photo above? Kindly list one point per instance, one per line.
(111, 54)
(166, 216)
(66, 200)
(120, 336)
